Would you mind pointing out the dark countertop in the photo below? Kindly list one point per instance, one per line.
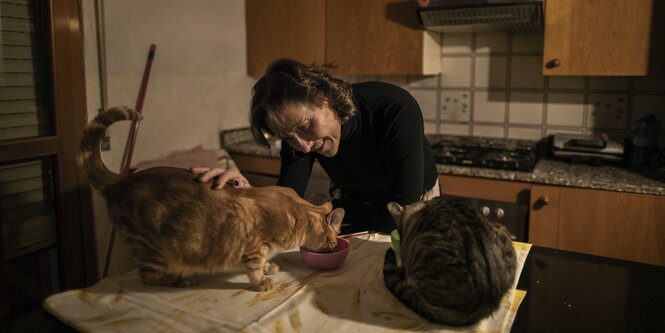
(573, 292)
(546, 172)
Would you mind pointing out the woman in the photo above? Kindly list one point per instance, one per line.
(368, 137)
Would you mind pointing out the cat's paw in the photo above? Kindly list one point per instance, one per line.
(270, 268)
(185, 282)
(264, 285)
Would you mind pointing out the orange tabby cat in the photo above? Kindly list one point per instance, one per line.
(179, 228)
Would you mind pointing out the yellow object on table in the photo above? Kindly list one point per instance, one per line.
(352, 297)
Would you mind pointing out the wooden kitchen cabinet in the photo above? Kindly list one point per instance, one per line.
(587, 37)
(284, 29)
(369, 37)
(259, 171)
(612, 224)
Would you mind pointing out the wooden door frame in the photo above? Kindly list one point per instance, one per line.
(77, 259)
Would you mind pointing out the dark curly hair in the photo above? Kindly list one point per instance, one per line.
(287, 81)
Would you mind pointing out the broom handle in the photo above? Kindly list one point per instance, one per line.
(139, 108)
(130, 152)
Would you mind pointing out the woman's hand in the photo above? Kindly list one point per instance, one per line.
(222, 176)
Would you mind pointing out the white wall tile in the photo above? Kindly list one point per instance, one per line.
(566, 82)
(398, 80)
(365, 78)
(490, 71)
(526, 72)
(527, 42)
(647, 104)
(524, 133)
(565, 109)
(488, 131)
(430, 128)
(491, 42)
(526, 108)
(423, 81)
(650, 83)
(489, 106)
(607, 111)
(455, 105)
(427, 99)
(455, 129)
(456, 44)
(551, 131)
(348, 78)
(609, 82)
(456, 71)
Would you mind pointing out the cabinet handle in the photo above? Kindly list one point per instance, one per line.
(553, 63)
(541, 202)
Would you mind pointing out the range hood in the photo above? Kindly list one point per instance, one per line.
(453, 16)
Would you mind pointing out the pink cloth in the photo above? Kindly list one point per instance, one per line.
(195, 157)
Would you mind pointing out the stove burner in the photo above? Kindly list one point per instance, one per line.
(522, 157)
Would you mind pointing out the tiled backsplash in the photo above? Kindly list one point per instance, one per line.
(492, 85)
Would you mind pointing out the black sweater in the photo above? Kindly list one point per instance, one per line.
(383, 156)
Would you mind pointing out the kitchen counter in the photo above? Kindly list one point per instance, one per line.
(546, 172)
(573, 292)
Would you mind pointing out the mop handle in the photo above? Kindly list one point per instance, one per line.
(139, 107)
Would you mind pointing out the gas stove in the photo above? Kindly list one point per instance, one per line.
(505, 154)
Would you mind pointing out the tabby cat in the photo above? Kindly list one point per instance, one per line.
(455, 264)
(179, 228)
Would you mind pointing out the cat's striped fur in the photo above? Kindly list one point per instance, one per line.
(179, 228)
(455, 265)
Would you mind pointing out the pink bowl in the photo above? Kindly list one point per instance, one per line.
(327, 260)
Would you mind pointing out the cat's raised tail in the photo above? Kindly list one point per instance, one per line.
(398, 284)
(89, 157)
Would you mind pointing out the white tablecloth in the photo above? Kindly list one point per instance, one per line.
(352, 298)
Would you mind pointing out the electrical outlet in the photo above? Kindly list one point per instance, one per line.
(455, 105)
(607, 111)
(105, 144)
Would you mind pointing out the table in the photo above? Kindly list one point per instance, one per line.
(574, 292)
(351, 298)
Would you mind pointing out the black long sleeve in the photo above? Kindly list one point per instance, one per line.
(383, 156)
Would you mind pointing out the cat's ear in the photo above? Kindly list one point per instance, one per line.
(335, 218)
(395, 209)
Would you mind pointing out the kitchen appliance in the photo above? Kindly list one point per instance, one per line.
(587, 149)
(506, 154)
(514, 216)
(454, 16)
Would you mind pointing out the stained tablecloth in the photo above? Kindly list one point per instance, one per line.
(352, 298)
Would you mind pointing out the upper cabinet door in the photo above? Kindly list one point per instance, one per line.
(587, 37)
(350, 37)
(378, 37)
(292, 29)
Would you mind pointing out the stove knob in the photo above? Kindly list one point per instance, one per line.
(500, 213)
(485, 211)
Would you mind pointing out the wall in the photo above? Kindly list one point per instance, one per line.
(492, 85)
(197, 86)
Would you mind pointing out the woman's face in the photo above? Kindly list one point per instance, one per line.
(308, 128)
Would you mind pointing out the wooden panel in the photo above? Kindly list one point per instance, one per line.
(260, 180)
(76, 239)
(284, 28)
(487, 189)
(618, 225)
(373, 37)
(597, 37)
(544, 216)
(256, 164)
